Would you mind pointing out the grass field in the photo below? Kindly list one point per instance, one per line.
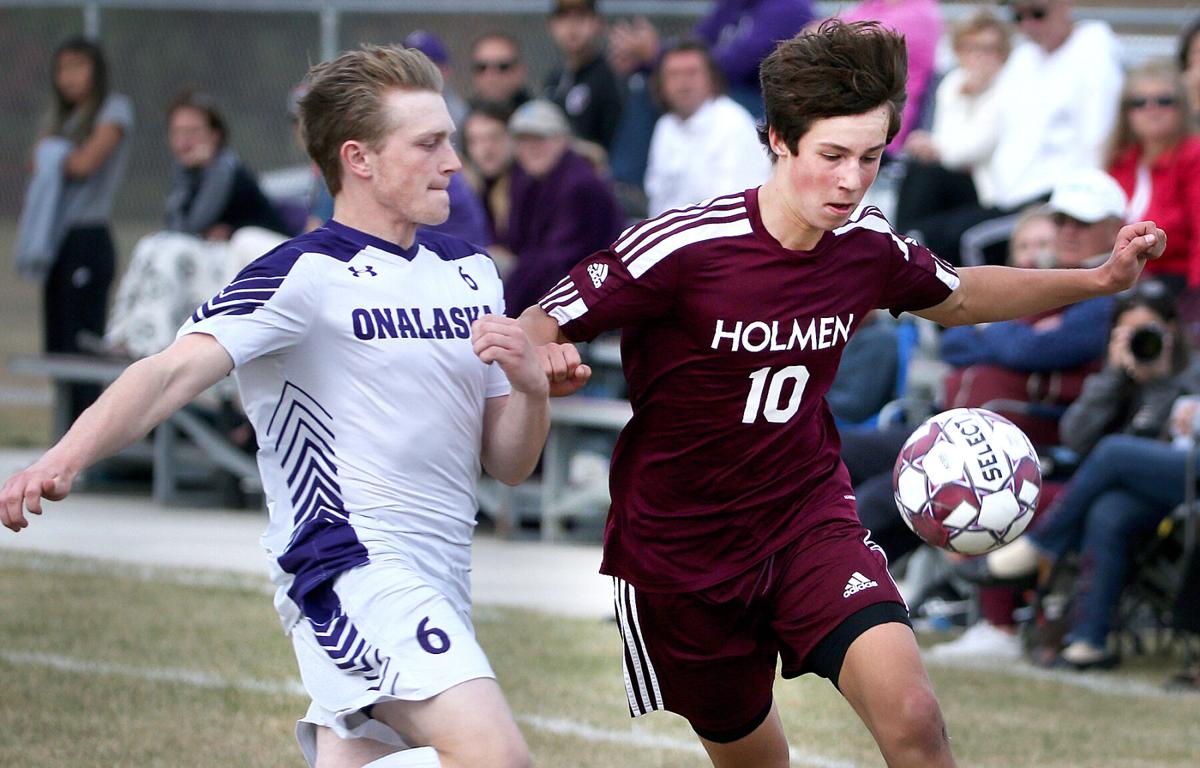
(108, 665)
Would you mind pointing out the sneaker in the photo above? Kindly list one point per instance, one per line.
(1083, 655)
(981, 642)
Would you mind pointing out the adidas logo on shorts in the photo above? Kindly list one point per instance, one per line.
(597, 272)
(857, 584)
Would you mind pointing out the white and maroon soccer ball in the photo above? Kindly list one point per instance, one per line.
(967, 480)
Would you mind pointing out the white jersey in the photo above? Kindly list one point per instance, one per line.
(354, 362)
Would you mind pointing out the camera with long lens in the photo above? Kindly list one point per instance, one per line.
(1146, 343)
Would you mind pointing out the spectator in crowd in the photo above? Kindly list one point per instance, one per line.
(632, 51)
(1129, 479)
(213, 194)
(705, 144)
(318, 203)
(1031, 245)
(1044, 358)
(1189, 65)
(1157, 162)
(1059, 91)
(498, 73)
(920, 22)
(948, 165)
(64, 236)
(217, 221)
(866, 377)
(488, 152)
(561, 210)
(583, 85)
(742, 32)
(432, 46)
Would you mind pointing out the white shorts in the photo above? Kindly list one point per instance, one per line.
(388, 633)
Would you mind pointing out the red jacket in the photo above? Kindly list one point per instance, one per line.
(1174, 204)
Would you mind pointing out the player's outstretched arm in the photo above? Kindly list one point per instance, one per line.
(144, 395)
(515, 427)
(560, 360)
(988, 294)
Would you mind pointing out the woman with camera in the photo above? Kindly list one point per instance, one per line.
(1131, 475)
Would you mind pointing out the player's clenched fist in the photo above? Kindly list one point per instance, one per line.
(501, 340)
(1136, 244)
(564, 368)
(25, 491)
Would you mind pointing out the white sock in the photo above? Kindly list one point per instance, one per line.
(418, 757)
(1015, 560)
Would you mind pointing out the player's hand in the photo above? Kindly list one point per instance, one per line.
(1136, 244)
(25, 490)
(564, 369)
(501, 340)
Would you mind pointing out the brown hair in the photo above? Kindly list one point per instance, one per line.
(194, 98)
(56, 121)
(835, 70)
(1159, 70)
(345, 100)
(983, 21)
(686, 45)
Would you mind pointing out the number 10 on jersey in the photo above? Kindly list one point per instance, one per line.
(774, 410)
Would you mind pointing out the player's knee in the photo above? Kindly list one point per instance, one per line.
(916, 723)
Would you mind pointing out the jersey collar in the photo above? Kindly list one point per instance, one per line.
(363, 240)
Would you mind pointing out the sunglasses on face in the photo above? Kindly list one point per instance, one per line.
(1141, 102)
(1036, 13)
(479, 67)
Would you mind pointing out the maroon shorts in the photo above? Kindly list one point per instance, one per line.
(711, 655)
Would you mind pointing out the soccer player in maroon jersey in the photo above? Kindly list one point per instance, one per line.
(733, 539)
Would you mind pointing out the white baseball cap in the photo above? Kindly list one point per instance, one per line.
(1089, 195)
(539, 117)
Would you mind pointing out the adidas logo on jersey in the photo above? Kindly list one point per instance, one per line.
(597, 272)
(857, 584)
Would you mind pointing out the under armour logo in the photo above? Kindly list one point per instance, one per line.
(597, 272)
(474, 286)
(365, 270)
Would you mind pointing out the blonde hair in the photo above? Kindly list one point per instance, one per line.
(1160, 70)
(345, 100)
(983, 21)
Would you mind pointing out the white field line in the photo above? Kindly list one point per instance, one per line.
(1105, 683)
(157, 574)
(294, 688)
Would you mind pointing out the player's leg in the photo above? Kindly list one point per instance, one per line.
(332, 751)
(708, 657)
(469, 726)
(838, 614)
(884, 680)
(389, 656)
(766, 746)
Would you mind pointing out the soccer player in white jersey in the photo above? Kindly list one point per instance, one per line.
(379, 374)
(732, 539)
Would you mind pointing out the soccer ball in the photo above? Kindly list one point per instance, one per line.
(967, 480)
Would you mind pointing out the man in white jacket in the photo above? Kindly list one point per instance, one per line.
(1059, 92)
(705, 144)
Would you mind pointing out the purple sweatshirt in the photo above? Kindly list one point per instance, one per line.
(553, 223)
(743, 32)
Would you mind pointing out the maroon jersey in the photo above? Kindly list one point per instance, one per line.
(729, 343)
